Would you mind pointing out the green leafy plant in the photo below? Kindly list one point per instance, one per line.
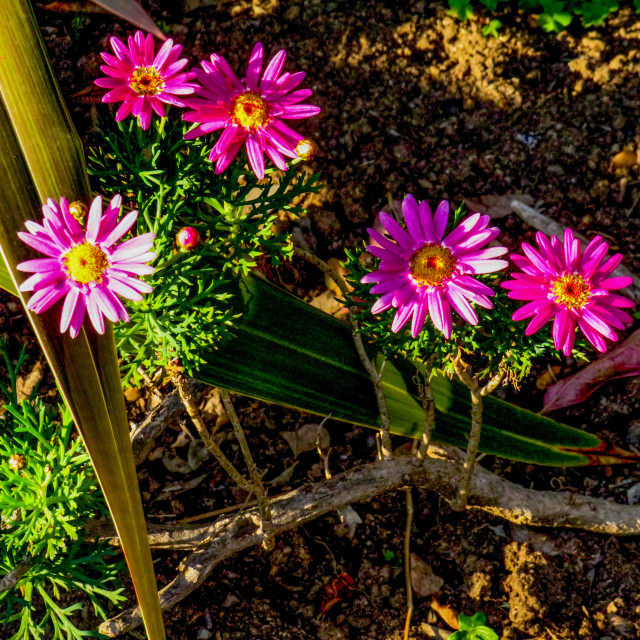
(554, 18)
(48, 491)
(460, 9)
(474, 628)
(492, 28)
(595, 13)
(173, 184)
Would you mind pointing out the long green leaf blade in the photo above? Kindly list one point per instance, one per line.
(289, 353)
(41, 157)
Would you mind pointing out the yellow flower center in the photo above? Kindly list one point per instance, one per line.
(86, 263)
(146, 81)
(431, 265)
(249, 110)
(571, 291)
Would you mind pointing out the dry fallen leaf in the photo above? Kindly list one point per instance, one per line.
(198, 453)
(307, 438)
(434, 632)
(447, 613)
(174, 463)
(625, 159)
(25, 384)
(284, 477)
(547, 378)
(341, 270)
(423, 580)
(498, 206)
(350, 519)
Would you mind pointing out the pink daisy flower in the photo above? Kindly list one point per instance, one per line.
(251, 111)
(570, 288)
(142, 80)
(86, 267)
(423, 273)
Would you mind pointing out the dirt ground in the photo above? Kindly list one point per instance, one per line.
(412, 100)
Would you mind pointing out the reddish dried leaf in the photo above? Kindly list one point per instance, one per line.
(73, 7)
(336, 590)
(622, 362)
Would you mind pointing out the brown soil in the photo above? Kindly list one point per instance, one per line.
(413, 100)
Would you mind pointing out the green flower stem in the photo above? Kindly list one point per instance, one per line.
(190, 405)
(477, 393)
(374, 374)
(429, 407)
(258, 488)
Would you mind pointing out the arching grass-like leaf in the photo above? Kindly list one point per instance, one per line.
(41, 157)
(291, 354)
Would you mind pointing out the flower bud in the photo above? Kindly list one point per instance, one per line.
(306, 149)
(78, 210)
(17, 461)
(188, 238)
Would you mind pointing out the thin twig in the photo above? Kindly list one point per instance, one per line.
(247, 504)
(407, 560)
(11, 579)
(143, 437)
(374, 374)
(263, 501)
(194, 413)
(149, 382)
(477, 393)
(429, 408)
(461, 499)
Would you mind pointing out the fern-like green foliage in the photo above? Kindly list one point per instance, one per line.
(173, 184)
(48, 491)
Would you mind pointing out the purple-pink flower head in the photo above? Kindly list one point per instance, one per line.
(571, 288)
(251, 111)
(143, 80)
(423, 272)
(86, 267)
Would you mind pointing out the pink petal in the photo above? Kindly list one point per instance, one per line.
(396, 231)
(69, 307)
(411, 218)
(299, 111)
(93, 219)
(255, 66)
(39, 265)
(273, 69)
(163, 53)
(426, 222)
(121, 229)
(256, 156)
(95, 314)
(401, 317)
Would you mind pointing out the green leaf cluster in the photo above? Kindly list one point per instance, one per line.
(553, 15)
(474, 628)
(172, 183)
(45, 502)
